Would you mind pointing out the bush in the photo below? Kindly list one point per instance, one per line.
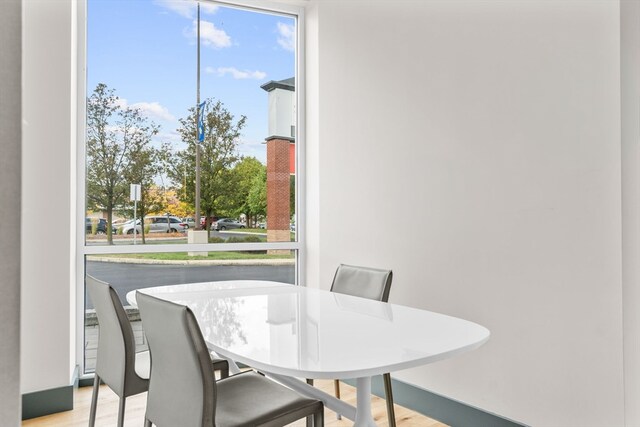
(216, 239)
(247, 239)
(252, 239)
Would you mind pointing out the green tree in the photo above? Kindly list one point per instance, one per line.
(244, 173)
(146, 165)
(115, 137)
(257, 197)
(218, 156)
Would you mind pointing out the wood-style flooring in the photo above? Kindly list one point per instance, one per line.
(134, 415)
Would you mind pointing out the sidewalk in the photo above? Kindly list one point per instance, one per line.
(91, 330)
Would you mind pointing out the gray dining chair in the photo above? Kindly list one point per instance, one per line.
(370, 283)
(118, 365)
(183, 392)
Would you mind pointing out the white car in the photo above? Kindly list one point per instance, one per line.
(191, 223)
(157, 224)
(165, 224)
(127, 227)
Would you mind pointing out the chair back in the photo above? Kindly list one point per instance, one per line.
(182, 390)
(115, 362)
(365, 282)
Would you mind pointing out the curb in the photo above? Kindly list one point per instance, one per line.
(91, 318)
(221, 262)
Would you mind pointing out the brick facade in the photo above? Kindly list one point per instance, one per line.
(278, 213)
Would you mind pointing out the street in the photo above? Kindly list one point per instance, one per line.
(126, 277)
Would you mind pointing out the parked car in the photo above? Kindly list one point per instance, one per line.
(157, 224)
(191, 223)
(127, 227)
(101, 227)
(227, 224)
(165, 224)
(209, 220)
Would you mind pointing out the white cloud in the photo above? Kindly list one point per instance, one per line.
(287, 36)
(236, 74)
(257, 149)
(170, 136)
(186, 8)
(209, 34)
(148, 109)
(154, 109)
(121, 102)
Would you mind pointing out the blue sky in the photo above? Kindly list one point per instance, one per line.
(146, 51)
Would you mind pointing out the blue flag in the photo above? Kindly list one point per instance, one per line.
(201, 122)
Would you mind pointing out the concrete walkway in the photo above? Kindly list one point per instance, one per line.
(91, 342)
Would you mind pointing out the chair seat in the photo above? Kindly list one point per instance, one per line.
(143, 364)
(249, 399)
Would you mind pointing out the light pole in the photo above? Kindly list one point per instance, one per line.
(197, 235)
(198, 130)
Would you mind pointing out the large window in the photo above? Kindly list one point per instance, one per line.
(189, 105)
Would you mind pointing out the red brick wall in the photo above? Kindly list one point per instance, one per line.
(278, 214)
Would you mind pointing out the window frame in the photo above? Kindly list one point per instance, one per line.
(83, 250)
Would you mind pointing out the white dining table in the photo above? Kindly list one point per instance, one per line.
(292, 333)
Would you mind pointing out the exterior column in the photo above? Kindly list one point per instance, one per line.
(278, 213)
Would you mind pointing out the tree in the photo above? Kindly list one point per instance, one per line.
(144, 164)
(115, 137)
(245, 173)
(218, 157)
(257, 197)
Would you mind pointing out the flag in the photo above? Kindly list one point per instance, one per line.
(201, 122)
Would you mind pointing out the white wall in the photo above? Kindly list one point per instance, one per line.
(282, 112)
(474, 148)
(47, 311)
(10, 124)
(630, 97)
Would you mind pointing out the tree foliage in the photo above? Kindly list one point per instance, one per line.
(245, 173)
(218, 156)
(119, 152)
(257, 197)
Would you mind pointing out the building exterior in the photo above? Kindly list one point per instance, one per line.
(281, 157)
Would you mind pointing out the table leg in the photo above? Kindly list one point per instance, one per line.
(363, 403)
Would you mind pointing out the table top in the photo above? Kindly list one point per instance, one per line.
(311, 333)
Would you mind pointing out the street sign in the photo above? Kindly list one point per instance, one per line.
(135, 192)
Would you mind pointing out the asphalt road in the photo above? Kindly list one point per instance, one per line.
(128, 277)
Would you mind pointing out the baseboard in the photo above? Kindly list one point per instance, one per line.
(45, 402)
(441, 408)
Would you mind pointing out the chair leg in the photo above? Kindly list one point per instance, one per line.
(336, 386)
(391, 413)
(318, 418)
(224, 372)
(310, 419)
(121, 412)
(94, 400)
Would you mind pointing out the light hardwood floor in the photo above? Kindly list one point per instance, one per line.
(108, 411)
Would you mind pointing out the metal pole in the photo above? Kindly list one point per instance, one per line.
(135, 216)
(197, 195)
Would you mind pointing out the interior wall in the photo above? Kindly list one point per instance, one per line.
(10, 137)
(630, 98)
(47, 226)
(474, 148)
